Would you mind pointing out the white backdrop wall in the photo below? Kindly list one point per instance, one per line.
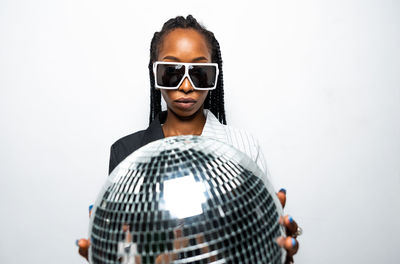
(318, 82)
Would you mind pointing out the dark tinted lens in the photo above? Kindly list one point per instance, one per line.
(169, 75)
(203, 76)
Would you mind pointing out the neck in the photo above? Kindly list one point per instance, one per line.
(177, 125)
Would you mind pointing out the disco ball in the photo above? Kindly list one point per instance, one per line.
(186, 199)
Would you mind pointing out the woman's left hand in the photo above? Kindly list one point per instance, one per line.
(290, 242)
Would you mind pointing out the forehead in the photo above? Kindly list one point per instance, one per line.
(184, 44)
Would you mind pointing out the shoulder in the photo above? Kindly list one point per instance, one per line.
(124, 146)
(129, 141)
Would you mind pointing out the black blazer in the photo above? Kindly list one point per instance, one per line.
(123, 147)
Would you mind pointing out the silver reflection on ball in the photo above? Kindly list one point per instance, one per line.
(186, 199)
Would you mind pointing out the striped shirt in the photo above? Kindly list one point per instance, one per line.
(237, 138)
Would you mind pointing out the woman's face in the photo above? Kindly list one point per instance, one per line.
(184, 45)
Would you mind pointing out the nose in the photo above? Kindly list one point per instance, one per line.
(186, 87)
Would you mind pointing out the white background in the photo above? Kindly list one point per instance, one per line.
(318, 82)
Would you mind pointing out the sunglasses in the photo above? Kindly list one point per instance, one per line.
(170, 75)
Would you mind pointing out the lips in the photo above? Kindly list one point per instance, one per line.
(185, 103)
(185, 100)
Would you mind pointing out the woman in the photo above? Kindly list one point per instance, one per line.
(186, 69)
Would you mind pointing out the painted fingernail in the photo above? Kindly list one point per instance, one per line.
(290, 219)
(90, 207)
(293, 242)
(77, 242)
(283, 190)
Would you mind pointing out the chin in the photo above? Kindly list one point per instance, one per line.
(185, 113)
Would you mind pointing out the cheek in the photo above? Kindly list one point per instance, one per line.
(203, 96)
(165, 95)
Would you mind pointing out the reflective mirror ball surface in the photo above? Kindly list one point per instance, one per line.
(186, 199)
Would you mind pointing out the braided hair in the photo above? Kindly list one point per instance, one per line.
(215, 98)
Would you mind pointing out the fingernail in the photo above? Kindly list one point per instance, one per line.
(77, 242)
(90, 207)
(283, 190)
(293, 242)
(290, 219)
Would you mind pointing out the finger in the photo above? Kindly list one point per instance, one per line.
(291, 245)
(281, 242)
(290, 225)
(83, 245)
(84, 253)
(289, 260)
(282, 196)
(281, 220)
(90, 210)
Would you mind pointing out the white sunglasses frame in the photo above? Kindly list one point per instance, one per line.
(186, 65)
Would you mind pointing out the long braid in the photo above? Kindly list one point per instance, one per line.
(155, 95)
(215, 98)
(220, 96)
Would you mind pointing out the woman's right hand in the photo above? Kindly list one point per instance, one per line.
(84, 243)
